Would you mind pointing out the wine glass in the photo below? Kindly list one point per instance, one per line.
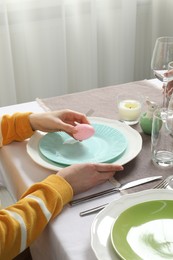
(162, 56)
(170, 85)
(170, 67)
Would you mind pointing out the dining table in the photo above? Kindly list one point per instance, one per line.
(68, 236)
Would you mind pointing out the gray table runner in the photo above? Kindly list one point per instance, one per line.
(103, 102)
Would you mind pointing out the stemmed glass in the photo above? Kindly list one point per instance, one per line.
(170, 67)
(162, 56)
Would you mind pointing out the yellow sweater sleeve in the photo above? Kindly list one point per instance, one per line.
(23, 222)
(15, 127)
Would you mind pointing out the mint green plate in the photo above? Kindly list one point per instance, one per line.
(106, 145)
(145, 231)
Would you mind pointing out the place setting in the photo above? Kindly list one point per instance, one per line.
(113, 141)
(122, 228)
(135, 226)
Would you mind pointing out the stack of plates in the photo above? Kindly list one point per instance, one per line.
(137, 226)
(113, 142)
(106, 145)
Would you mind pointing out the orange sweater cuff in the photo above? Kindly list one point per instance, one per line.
(16, 127)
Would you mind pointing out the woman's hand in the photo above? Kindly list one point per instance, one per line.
(62, 120)
(82, 177)
(170, 88)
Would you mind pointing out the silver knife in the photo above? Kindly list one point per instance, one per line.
(92, 210)
(115, 189)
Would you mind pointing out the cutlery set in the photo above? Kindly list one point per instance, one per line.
(115, 189)
(164, 184)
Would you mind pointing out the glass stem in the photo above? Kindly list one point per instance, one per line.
(165, 97)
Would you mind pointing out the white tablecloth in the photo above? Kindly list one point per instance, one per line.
(68, 236)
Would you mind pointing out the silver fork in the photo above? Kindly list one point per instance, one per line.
(163, 184)
(89, 112)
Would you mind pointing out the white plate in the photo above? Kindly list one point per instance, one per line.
(102, 224)
(133, 148)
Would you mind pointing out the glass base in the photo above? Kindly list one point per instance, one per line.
(130, 122)
(163, 159)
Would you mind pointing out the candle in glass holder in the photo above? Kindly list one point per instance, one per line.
(129, 111)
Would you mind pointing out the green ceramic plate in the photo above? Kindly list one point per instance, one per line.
(106, 145)
(145, 231)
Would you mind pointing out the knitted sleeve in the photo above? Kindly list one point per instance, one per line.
(15, 127)
(22, 223)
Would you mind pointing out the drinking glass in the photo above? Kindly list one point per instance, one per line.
(162, 138)
(162, 56)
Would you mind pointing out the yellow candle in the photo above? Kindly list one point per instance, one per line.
(129, 110)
